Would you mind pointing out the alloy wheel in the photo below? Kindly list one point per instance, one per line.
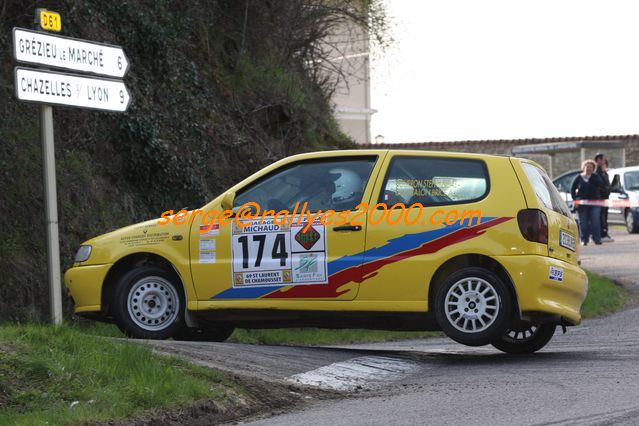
(472, 304)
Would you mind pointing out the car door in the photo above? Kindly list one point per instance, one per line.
(404, 247)
(618, 199)
(276, 247)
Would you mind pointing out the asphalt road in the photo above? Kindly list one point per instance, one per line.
(588, 376)
(618, 260)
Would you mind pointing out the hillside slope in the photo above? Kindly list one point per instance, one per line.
(219, 90)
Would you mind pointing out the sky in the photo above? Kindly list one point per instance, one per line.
(470, 70)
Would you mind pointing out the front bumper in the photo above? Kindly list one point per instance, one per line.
(538, 294)
(85, 285)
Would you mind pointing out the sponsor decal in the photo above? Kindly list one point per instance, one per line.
(556, 274)
(269, 254)
(210, 230)
(307, 238)
(362, 266)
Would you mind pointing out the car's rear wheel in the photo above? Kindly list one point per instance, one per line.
(149, 303)
(631, 224)
(525, 339)
(473, 306)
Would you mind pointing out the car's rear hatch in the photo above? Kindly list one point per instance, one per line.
(541, 194)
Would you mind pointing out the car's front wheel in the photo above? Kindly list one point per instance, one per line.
(473, 306)
(148, 303)
(525, 339)
(631, 224)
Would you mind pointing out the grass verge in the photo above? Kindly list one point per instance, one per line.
(61, 375)
(293, 336)
(604, 296)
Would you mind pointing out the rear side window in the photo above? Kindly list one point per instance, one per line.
(631, 181)
(544, 189)
(434, 181)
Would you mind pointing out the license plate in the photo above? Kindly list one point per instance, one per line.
(567, 240)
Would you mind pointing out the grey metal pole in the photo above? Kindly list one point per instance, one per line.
(51, 208)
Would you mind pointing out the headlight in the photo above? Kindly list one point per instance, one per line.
(83, 253)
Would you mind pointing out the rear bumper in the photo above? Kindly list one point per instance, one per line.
(85, 285)
(538, 294)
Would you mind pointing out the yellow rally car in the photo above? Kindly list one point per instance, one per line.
(490, 258)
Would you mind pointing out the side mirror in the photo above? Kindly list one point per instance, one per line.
(615, 185)
(560, 188)
(227, 201)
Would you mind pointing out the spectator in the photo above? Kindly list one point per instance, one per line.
(587, 186)
(602, 171)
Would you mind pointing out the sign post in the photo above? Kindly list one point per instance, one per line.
(57, 88)
(51, 207)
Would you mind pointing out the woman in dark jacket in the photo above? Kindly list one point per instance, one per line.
(586, 186)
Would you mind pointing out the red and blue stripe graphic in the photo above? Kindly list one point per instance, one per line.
(362, 266)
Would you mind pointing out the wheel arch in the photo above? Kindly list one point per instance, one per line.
(127, 263)
(471, 260)
(634, 214)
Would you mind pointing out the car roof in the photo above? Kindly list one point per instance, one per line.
(623, 170)
(567, 173)
(372, 151)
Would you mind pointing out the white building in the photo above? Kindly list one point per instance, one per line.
(349, 53)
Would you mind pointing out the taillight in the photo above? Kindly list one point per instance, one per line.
(533, 225)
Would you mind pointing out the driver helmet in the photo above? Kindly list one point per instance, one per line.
(348, 187)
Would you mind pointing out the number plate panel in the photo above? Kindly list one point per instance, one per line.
(567, 240)
(275, 254)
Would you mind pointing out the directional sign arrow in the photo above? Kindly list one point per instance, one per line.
(69, 53)
(58, 88)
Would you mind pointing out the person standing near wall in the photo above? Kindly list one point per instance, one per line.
(604, 191)
(587, 186)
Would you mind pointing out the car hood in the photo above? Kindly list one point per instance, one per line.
(137, 237)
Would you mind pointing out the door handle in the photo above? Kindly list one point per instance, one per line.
(348, 228)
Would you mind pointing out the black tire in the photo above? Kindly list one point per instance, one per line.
(631, 225)
(494, 308)
(525, 340)
(217, 334)
(149, 303)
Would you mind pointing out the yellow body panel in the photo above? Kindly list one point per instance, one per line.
(83, 283)
(396, 282)
(537, 293)
(108, 249)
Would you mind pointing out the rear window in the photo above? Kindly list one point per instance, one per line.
(544, 189)
(434, 181)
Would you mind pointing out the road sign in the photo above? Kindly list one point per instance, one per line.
(58, 88)
(69, 53)
(49, 20)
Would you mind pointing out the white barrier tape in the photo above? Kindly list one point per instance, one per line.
(608, 203)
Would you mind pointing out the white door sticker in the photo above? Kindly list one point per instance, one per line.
(268, 254)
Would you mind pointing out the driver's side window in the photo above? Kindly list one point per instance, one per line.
(321, 184)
